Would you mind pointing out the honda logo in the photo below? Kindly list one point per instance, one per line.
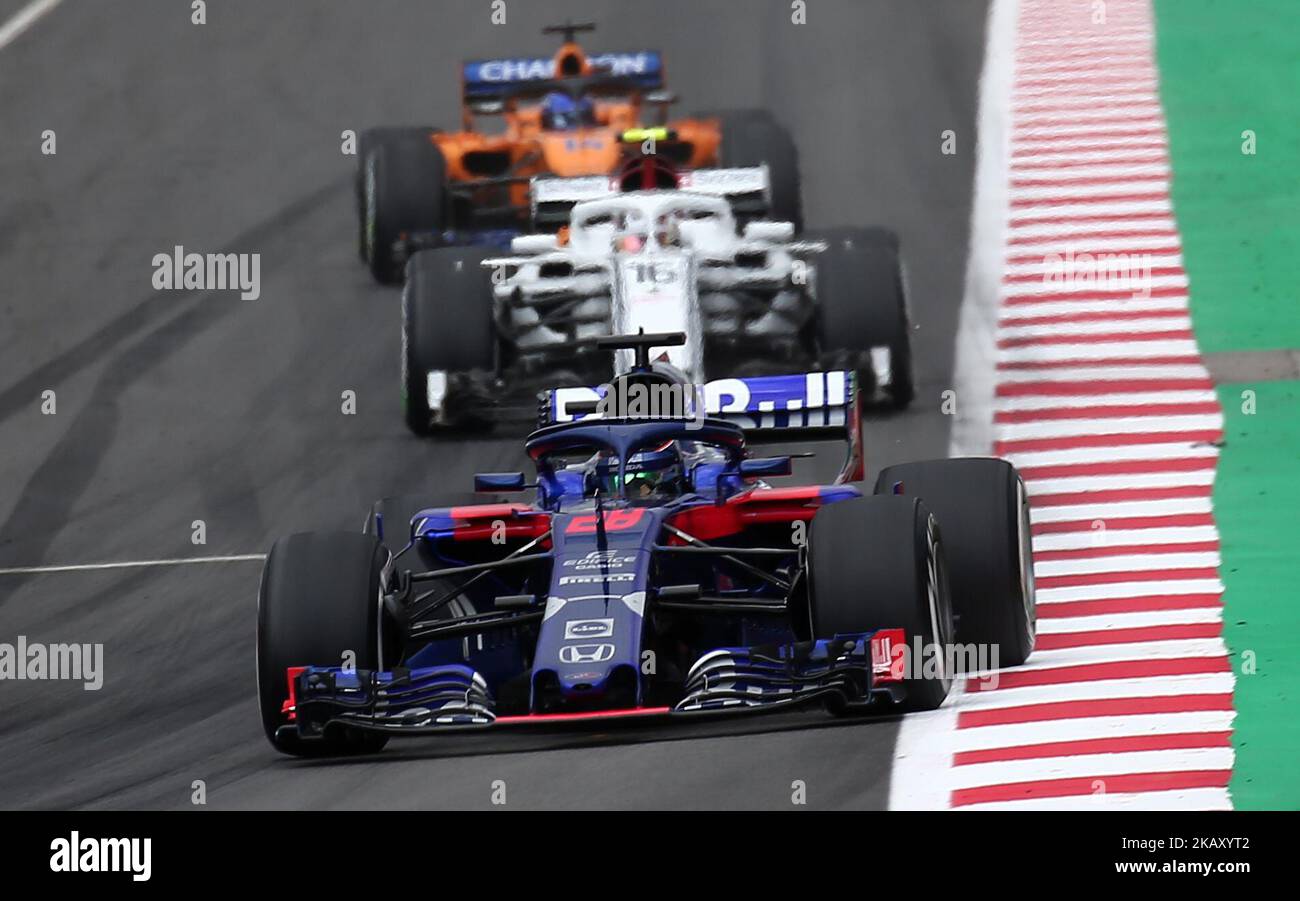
(586, 653)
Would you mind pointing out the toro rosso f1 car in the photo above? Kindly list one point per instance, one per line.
(655, 573)
(572, 114)
(753, 300)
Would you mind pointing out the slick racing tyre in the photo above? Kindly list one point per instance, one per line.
(878, 563)
(403, 192)
(862, 308)
(319, 600)
(981, 505)
(448, 327)
(367, 140)
(753, 137)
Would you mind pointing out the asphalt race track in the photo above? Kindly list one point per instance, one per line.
(174, 407)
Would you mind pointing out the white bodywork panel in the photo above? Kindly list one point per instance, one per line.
(640, 260)
(655, 293)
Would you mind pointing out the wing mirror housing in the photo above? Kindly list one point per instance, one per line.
(771, 232)
(534, 243)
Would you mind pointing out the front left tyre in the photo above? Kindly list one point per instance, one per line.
(862, 318)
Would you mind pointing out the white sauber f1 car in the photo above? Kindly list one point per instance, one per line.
(649, 251)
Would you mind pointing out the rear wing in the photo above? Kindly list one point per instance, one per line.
(747, 188)
(490, 80)
(813, 406)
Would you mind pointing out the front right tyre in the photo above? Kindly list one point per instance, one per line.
(403, 193)
(367, 141)
(319, 605)
(984, 510)
(448, 330)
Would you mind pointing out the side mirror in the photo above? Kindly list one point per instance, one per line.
(772, 232)
(765, 467)
(534, 243)
(705, 234)
(499, 481)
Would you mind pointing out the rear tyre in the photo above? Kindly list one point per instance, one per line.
(753, 137)
(366, 142)
(877, 563)
(403, 193)
(862, 306)
(319, 599)
(981, 504)
(448, 327)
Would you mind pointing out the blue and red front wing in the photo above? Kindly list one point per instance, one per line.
(848, 671)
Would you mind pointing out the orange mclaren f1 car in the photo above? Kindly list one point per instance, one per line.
(574, 114)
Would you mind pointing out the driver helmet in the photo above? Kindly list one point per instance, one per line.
(630, 243)
(560, 112)
(668, 230)
(648, 472)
